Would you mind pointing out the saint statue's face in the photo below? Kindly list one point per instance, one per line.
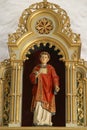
(44, 59)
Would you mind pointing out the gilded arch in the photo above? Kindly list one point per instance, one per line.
(44, 41)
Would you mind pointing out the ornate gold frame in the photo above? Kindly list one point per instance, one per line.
(44, 22)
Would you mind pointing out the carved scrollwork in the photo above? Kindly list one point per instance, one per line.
(74, 55)
(6, 102)
(60, 13)
(12, 38)
(5, 62)
(80, 99)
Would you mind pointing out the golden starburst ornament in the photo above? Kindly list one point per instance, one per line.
(44, 26)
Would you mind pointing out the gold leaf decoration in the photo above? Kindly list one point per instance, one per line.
(80, 99)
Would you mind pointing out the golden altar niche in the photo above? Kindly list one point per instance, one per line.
(43, 26)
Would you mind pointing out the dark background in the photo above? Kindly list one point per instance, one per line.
(27, 115)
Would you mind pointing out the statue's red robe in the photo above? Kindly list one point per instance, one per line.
(43, 90)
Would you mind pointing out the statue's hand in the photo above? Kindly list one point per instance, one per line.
(37, 74)
(57, 88)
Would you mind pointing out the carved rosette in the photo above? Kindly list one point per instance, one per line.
(44, 26)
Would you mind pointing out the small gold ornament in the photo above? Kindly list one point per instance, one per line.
(44, 26)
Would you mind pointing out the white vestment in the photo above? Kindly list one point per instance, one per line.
(42, 116)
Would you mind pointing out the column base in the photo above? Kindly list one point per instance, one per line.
(13, 124)
(71, 125)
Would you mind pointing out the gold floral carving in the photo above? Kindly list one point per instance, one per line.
(44, 26)
(80, 99)
(6, 62)
(60, 13)
(12, 38)
(6, 103)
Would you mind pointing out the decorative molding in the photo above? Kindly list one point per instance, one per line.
(6, 98)
(42, 128)
(75, 55)
(60, 13)
(45, 43)
(80, 99)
